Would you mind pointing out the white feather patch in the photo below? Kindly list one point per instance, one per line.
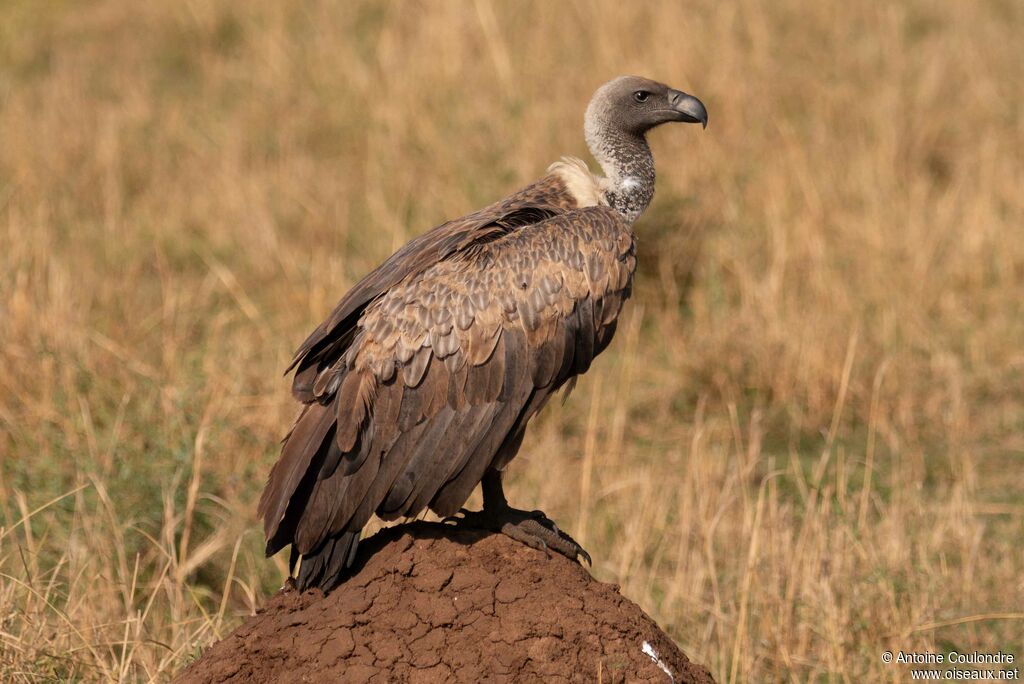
(585, 188)
(628, 183)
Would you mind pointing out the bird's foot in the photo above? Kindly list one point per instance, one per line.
(532, 528)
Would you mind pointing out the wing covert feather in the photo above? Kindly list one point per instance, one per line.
(446, 367)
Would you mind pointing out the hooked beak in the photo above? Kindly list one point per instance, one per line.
(687, 108)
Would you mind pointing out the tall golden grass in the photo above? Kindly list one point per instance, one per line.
(804, 447)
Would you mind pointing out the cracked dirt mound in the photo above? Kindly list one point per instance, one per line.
(432, 603)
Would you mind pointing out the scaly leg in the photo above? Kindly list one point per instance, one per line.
(532, 528)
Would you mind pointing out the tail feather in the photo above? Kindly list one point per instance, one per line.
(324, 568)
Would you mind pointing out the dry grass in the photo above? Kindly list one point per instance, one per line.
(804, 447)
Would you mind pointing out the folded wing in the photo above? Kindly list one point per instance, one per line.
(440, 373)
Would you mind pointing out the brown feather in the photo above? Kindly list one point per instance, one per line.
(363, 505)
(481, 342)
(455, 362)
(456, 394)
(415, 462)
(352, 402)
(435, 384)
(332, 501)
(547, 360)
(302, 383)
(496, 372)
(417, 368)
(413, 401)
(457, 489)
(463, 316)
(386, 409)
(299, 448)
(462, 437)
(506, 302)
(481, 380)
(585, 334)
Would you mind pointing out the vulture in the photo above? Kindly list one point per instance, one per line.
(420, 383)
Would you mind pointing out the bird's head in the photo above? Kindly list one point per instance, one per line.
(634, 105)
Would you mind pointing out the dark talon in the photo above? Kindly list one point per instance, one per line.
(454, 517)
(532, 528)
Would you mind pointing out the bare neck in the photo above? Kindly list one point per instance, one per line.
(627, 163)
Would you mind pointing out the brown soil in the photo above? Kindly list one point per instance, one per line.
(432, 603)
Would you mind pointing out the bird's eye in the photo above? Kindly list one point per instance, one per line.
(641, 95)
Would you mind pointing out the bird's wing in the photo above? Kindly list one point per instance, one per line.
(545, 198)
(442, 374)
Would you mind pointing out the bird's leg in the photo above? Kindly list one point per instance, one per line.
(532, 528)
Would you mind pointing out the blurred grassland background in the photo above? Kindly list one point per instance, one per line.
(805, 446)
